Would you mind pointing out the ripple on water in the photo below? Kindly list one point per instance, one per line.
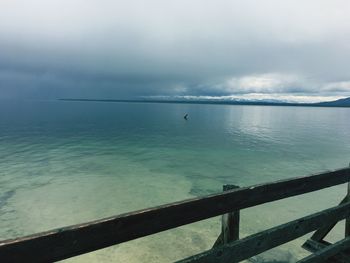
(96, 160)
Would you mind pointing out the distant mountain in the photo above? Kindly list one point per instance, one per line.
(336, 103)
(195, 101)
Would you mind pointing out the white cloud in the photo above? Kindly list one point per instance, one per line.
(262, 83)
(284, 97)
(269, 86)
(341, 86)
(182, 47)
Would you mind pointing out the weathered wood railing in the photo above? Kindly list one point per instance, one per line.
(74, 240)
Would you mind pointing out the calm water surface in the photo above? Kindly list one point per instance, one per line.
(64, 163)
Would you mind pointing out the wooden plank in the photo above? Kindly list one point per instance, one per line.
(230, 222)
(265, 240)
(218, 241)
(347, 221)
(74, 240)
(321, 233)
(327, 252)
(315, 246)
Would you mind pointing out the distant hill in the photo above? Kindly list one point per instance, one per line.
(337, 103)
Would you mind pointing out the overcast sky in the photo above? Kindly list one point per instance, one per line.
(290, 49)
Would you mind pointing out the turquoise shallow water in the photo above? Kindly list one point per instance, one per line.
(64, 163)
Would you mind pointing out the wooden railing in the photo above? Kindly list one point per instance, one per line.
(74, 240)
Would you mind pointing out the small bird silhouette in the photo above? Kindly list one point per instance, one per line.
(186, 116)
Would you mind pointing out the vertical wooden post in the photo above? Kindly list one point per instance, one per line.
(347, 221)
(230, 222)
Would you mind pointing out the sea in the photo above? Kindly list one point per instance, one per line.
(65, 162)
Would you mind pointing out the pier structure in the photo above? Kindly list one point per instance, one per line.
(66, 242)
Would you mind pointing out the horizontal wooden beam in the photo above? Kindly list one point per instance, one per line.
(328, 252)
(314, 246)
(321, 233)
(74, 240)
(265, 240)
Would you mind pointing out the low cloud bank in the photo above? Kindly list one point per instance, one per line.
(119, 49)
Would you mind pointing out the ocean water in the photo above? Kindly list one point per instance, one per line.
(64, 163)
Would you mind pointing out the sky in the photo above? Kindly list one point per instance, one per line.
(264, 49)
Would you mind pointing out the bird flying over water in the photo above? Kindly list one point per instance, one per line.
(186, 116)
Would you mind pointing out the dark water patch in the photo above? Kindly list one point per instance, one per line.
(5, 197)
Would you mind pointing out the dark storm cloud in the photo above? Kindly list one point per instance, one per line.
(102, 49)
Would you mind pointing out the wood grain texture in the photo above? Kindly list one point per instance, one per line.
(321, 233)
(265, 240)
(329, 251)
(347, 221)
(230, 222)
(314, 246)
